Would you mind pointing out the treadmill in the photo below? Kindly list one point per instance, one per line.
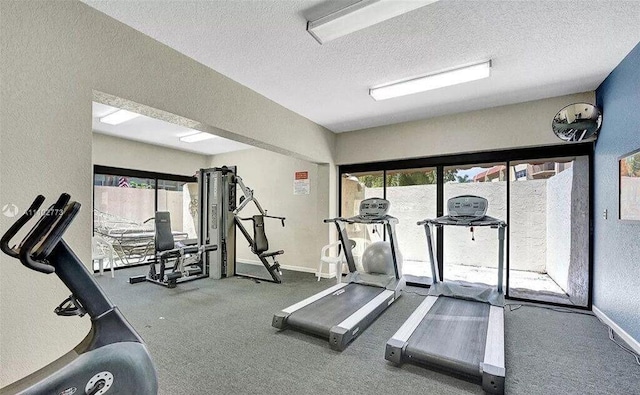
(342, 312)
(459, 327)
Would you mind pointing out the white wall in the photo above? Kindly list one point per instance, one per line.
(54, 56)
(559, 227)
(568, 230)
(129, 154)
(517, 125)
(527, 226)
(578, 286)
(271, 177)
(411, 204)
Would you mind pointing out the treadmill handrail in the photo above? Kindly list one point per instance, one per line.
(453, 221)
(447, 221)
(359, 219)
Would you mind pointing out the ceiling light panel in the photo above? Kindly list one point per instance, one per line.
(360, 15)
(118, 117)
(194, 138)
(432, 81)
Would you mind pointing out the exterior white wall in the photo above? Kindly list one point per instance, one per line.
(458, 247)
(413, 203)
(527, 225)
(137, 204)
(568, 230)
(578, 277)
(54, 56)
(129, 154)
(517, 125)
(271, 177)
(559, 226)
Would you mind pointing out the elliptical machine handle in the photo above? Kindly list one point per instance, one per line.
(36, 234)
(15, 228)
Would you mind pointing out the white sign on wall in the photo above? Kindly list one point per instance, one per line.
(301, 185)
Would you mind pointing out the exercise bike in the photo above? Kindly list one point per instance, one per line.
(112, 358)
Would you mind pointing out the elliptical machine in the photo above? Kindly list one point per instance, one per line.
(112, 358)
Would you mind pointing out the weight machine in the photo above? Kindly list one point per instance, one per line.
(214, 253)
(187, 262)
(219, 218)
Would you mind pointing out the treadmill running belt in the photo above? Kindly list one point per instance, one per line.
(452, 336)
(323, 314)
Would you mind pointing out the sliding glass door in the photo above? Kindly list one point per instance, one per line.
(549, 228)
(471, 254)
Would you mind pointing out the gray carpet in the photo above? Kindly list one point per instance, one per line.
(211, 336)
(252, 270)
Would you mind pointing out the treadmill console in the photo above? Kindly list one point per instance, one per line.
(374, 208)
(467, 207)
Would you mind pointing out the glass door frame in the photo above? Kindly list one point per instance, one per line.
(465, 159)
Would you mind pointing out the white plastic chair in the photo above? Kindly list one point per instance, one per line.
(335, 261)
(101, 250)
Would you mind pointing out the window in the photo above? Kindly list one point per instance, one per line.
(520, 175)
(180, 199)
(355, 187)
(549, 228)
(413, 196)
(125, 202)
(420, 188)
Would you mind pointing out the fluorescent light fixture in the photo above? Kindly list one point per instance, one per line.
(432, 81)
(118, 117)
(360, 15)
(198, 136)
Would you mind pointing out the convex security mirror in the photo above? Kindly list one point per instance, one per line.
(577, 122)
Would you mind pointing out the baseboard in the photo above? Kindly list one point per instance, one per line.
(303, 269)
(621, 333)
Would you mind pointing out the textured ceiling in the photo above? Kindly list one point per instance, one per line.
(539, 49)
(154, 131)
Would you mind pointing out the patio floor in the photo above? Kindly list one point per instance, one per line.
(523, 284)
